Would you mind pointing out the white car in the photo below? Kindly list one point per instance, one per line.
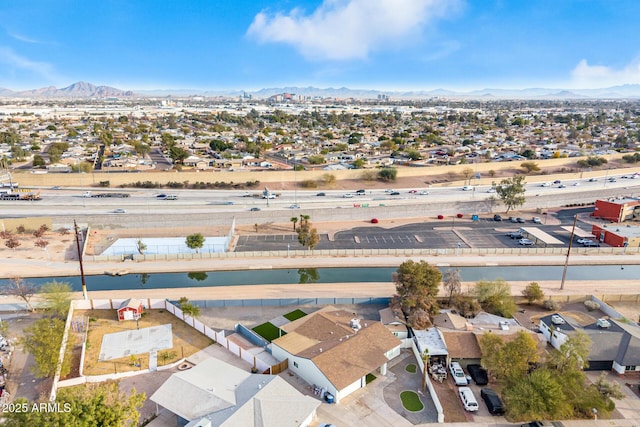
(458, 374)
(536, 220)
(546, 184)
(423, 193)
(525, 242)
(583, 240)
(294, 207)
(467, 188)
(491, 190)
(348, 196)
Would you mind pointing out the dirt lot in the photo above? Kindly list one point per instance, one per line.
(186, 341)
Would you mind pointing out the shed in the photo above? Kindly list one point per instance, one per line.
(130, 309)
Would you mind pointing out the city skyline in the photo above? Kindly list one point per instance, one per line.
(361, 44)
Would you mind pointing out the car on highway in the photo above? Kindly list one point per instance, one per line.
(467, 188)
(256, 209)
(557, 181)
(423, 193)
(361, 193)
(413, 191)
(395, 193)
(576, 184)
(388, 190)
(525, 242)
(119, 210)
(321, 194)
(374, 220)
(536, 220)
(347, 196)
(562, 186)
(294, 207)
(593, 179)
(497, 217)
(545, 184)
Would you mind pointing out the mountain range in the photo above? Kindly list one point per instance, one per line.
(87, 90)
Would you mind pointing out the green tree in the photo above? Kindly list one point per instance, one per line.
(573, 354)
(294, 220)
(387, 174)
(188, 308)
(43, 340)
(536, 396)
(533, 292)
(141, 246)
(359, 163)
(511, 191)
(508, 361)
(417, 285)
(495, 297)
(56, 298)
(92, 404)
(307, 234)
(530, 166)
(38, 161)
(195, 241)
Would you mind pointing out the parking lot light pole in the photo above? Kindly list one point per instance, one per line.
(566, 261)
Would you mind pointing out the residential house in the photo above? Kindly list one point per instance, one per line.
(215, 393)
(614, 345)
(334, 350)
(393, 320)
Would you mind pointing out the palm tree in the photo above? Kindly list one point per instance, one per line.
(294, 220)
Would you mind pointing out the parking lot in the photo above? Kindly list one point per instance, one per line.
(484, 233)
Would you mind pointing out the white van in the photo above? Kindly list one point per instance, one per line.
(468, 399)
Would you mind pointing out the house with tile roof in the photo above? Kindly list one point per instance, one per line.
(335, 351)
(614, 345)
(215, 393)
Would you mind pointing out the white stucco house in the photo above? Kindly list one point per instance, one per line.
(335, 351)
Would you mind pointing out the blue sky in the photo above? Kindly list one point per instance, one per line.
(372, 44)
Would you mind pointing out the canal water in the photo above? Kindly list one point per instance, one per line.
(337, 275)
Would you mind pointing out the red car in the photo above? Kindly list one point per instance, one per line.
(374, 220)
(440, 216)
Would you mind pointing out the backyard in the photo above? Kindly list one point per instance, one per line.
(186, 340)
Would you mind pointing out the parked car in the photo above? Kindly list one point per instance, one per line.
(536, 220)
(591, 244)
(491, 190)
(468, 399)
(535, 424)
(497, 217)
(458, 374)
(525, 242)
(582, 240)
(478, 374)
(513, 219)
(520, 220)
(515, 235)
(493, 401)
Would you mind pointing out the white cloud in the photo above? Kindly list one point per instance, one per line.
(349, 29)
(598, 76)
(17, 62)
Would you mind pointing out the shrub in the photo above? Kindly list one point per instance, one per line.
(591, 305)
(369, 175)
(387, 174)
(104, 184)
(308, 183)
(551, 305)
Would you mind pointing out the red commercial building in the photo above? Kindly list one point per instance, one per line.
(618, 210)
(617, 235)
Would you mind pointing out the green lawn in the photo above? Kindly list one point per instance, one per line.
(411, 401)
(411, 368)
(294, 315)
(268, 331)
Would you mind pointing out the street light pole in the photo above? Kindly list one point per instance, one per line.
(84, 284)
(566, 261)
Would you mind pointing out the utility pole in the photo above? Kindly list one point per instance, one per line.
(566, 261)
(84, 284)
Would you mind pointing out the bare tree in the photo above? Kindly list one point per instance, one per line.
(12, 243)
(21, 289)
(452, 283)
